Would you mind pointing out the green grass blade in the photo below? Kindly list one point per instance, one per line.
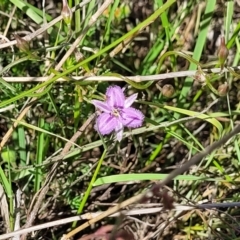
(29, 10)
(77, 19)
(228, 19)
(205, 117)
(202, 36)
(148, 177)
(22, 146)
(39, 157)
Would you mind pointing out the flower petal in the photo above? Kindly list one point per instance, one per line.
(131, 117)
(103, 106)
(129, 101)
(115, 97)
(119, 130)
(106, 123)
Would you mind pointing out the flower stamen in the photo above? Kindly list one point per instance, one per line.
(115, 112)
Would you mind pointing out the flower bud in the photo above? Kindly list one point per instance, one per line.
(168, 90)
(66, 13)
(22, 44)
(222, 53)
(200, 76)
(223, 89)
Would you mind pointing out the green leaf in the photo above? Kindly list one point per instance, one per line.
(205, 117)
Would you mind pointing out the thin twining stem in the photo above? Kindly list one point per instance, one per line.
(156, 77)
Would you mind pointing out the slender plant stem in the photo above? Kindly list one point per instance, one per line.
(87, 193)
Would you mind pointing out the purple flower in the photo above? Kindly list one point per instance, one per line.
(117, 113)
